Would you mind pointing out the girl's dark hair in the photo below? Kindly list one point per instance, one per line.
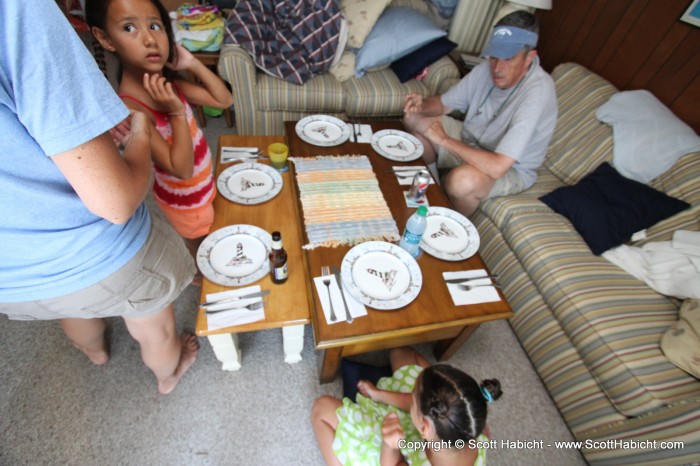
(96, 16)
(455, 402)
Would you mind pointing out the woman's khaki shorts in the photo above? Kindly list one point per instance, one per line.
(510, 183)
(148, 283)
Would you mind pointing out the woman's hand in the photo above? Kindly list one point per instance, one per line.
(368, 389)
(135, 125)
(184, 60)
(162, 92)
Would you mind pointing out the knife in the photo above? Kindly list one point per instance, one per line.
(457, 281)
(338, 278)
(240, 149)
(257, 294)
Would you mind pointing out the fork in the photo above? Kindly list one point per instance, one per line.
(326, 273)
(471, 287)
(251, 307)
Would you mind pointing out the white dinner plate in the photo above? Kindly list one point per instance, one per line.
(322, 130)
(235, 255)
(249, 183)
(396, 145)
(381, 275)
(449, 235)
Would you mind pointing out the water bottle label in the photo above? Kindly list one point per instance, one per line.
(411, 238)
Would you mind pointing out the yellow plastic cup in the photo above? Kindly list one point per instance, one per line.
(278, 153)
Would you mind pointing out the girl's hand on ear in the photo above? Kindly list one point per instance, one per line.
(392, 431)
(368, 389)
(162, 93)
(184, 61)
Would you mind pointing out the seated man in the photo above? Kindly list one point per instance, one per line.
(511, 110)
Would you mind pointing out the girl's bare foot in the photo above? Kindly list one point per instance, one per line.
(188, 354)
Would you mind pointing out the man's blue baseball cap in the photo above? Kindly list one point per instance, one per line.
(506, 41)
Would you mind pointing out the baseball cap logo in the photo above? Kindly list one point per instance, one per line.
(502, 32)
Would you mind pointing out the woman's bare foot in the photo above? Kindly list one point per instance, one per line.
(96, 356)
(188, 354)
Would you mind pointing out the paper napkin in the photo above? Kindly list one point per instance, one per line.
(237, 153)
(237, 315)
(364, 132)
(482, 294)
(357, 309)
(409, 170)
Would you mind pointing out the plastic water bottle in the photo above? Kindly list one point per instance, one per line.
(415, 227)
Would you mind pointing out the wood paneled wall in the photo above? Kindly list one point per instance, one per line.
(635, 44)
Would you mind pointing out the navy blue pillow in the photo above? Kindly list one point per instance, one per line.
(408, 67)
(354, 371)
(607, 209)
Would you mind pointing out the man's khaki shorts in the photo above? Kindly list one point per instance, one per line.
(148, 283)
(510, 183)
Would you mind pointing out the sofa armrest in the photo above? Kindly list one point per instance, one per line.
(237, 68)
(441, 75)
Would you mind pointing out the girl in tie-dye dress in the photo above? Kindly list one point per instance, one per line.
(139, 33)
(420, 415)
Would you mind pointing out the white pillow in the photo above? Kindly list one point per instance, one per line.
(648, 138)
(361, 16)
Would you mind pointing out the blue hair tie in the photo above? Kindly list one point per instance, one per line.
(486, 394)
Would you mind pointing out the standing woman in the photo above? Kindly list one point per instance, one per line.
(76, 241)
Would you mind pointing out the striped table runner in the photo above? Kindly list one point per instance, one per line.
(342, 202)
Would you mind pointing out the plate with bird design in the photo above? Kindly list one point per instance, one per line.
(249, 183)
(381, 275)
(235, 255)
(449, 235)
(396, 145)
(322, 130)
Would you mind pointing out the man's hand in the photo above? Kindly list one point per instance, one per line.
(413, 103)
(436, 133)
(162, 93)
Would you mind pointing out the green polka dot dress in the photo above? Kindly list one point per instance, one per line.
(358, 438)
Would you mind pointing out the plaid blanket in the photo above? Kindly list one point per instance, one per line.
(293, 40)
(342, 201)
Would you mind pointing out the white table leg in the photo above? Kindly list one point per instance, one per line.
(225, 346)
(293, 342)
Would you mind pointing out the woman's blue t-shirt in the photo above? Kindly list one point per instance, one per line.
(53, 98)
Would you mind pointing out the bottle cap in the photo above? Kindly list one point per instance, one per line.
(422, 211)
(276, 236)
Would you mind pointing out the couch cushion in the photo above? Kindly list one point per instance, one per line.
(614, 321)
(322, 93)
(378, 93)
(682, 182)
(580, 142)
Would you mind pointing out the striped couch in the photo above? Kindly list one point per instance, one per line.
(591, 330)
(264, 102)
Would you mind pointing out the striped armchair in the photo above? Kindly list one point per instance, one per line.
(264, 102)
(591, 330)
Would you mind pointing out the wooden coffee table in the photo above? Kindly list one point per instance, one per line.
(289, 303)
(432, 316)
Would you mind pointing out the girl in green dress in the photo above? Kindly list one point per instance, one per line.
(420, 415)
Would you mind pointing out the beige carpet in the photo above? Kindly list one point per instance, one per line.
(56, 408)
